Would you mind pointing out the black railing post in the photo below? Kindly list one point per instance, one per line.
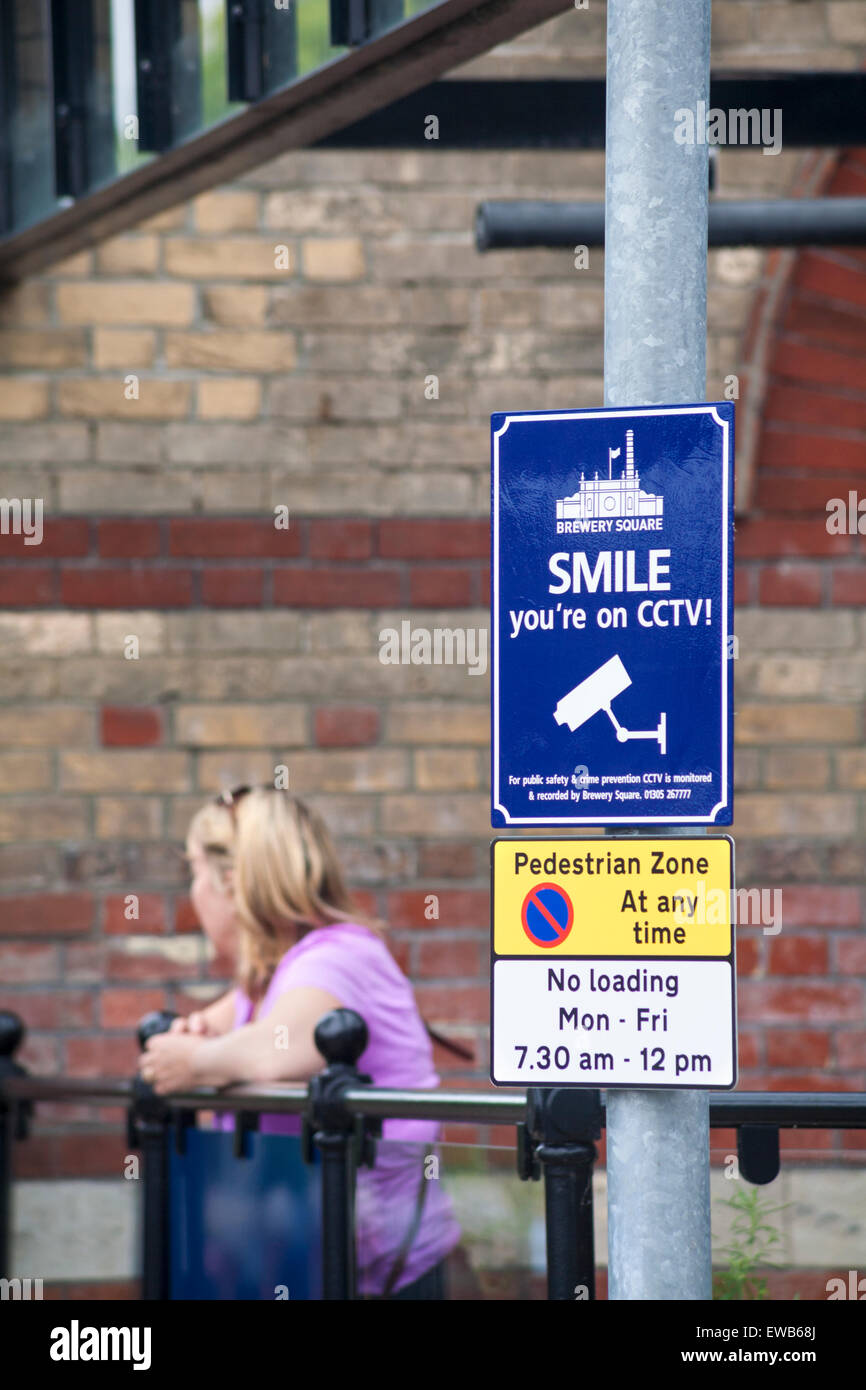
(149, 1124)
(13, 1125)
(341, 1037)
(561, 1124)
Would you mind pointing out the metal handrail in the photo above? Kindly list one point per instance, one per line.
(786, 1109)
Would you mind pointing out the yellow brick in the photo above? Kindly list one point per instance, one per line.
(45, 724)
(376, 770)
(46, 634)
(145, 770)
(233, 768)
(94, 398)
(27, 303)
(128, 255)
(439, 768)
(56, 347)
(23, 399)
(229, 398)
(427, 815)
(77, 265)
(796, 767)
(851, 768)
(335, 259)
(242, 350)
(429, 722)
(42, 818)
(126, 302)
(240, 726)
(123, 347)
(25, 772)
(798, 723)
(236, 306)
(231, 258)
(226, 212)
(812, 816)
(127, 818)
(168, 221)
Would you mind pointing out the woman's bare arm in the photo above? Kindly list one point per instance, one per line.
(278, 1047)
(211, 1022)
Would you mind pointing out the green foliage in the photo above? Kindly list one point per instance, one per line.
(751, 1247)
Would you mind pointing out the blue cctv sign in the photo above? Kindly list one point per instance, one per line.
(612, 596)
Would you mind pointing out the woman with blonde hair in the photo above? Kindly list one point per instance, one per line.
(269, 892)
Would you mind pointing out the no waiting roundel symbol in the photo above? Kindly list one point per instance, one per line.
(547, 914)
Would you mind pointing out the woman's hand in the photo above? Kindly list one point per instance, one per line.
(167, 1062)
(195, 1023)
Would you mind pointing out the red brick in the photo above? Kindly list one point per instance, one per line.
(854, 1139)
(440, 588)
(766, 1002)
(849, 586)
(151, 915)
(234, 539)
(401, 952)
(346, 726)
(25, 588)
(797, 1048)
(789, 405)
(811, 364)
(748, 955)
(367, 902)
(28, 962)
(813, 452)
(119, 966)
(86, 1290)
(454, 1003)
(89, 1155)
(60, 537)
(101, 1056)
(820, 905)
(185, 919)
(51, 1009)
(792, 1141)
(809, 1081)
(126, 726)
(789, 494)
(769, 539)
(798, 955)
(47, 914)
(322, 588)
(444, 959)
(829, 325)
(458, 907)
(748, 1051)
(822, 273)
(127, 588)
(851, 1048)
(341, 540)
(448, 539)
(795, 584)
(128, 540)
(849, 181)
(744, 588)
(233, 588)
(447, 859)
(124, 1008)
(851, 956)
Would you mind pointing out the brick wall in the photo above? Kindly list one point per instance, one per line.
(307, 387)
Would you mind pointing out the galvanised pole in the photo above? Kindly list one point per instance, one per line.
(655, 317)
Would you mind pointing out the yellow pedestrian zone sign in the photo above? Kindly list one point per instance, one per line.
(613, 962)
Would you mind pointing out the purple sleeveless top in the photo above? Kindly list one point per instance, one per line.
(353, 964)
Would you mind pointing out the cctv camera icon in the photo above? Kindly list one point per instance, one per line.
(597, 693)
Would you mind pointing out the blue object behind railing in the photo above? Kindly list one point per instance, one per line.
(245, 1228)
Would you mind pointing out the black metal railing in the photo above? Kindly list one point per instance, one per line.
(341, 1117)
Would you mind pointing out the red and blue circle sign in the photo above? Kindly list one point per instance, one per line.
(547, 914)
